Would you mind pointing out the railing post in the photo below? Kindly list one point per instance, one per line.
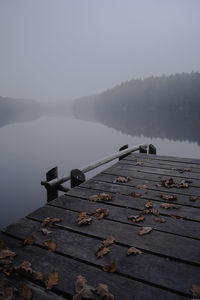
(152, 149)
(52, 193)
(143, 149)
(121, 149)
(77, 177)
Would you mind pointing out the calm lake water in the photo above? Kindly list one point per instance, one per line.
(29, 149)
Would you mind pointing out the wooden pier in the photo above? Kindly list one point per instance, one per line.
(145, 201)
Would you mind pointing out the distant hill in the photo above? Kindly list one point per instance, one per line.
(166, 107)
(18, 110)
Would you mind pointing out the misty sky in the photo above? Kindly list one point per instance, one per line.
(63, 49)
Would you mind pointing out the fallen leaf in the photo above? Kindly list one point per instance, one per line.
(169, 183)
(79, 283)
(52, 280)
(122, 179)
(25, 292)
(136, 218)
(7, 256)
(169, 205)
(101, 196)
(111, 267)
(45, 231)
(83, 219)
(145, 230)
(50, 245)
(38, 276)
(133, 250)
(136, 195)
(50, 221)
(139, 163)
(28, 241)
(101, 213)
(152, 211)
(85, 293)
(6, 293)
(193, 198)
(160, 220)
(175, 216)
(103, 292)
(108, 241)
(148, 204)
(182, 170)
(102, 251)
(142, 186)
(168, 197)
(195, 289)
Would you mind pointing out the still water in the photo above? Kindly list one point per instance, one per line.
(29, 149)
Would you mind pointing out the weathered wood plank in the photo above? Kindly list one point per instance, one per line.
(83, 248)
(175, 226)
(122, 287)
(160, 171)
(158, 242)
(120, 170)
(191, 191)
(167, 158)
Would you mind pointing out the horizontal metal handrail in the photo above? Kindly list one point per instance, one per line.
(57, 181)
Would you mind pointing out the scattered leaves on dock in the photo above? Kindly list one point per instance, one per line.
(170, 183)
(136, 195)
(51, 245)
(101, 213)
(175, 216)
(136, 218)
(148, 204)
(6, 255)
(28, 241)
(122, 179)
(145, 230)
(160, 220)
(101, 196)
(168, 197)
(133, 250)
(52, 280)
(182, 170)
(111, 267)
(169, 205)
(108, 241)
(142, 186)
(193, 198)
(195, 289)
(45, 231)
(83, 219)
(103, 292)
(103, 248)
(152, 211)
(139, 163)
(50, 221)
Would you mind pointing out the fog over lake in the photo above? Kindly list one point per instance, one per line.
(29, 149)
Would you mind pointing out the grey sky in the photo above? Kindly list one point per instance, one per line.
(63, 49)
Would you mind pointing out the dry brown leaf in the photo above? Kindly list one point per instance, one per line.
(101, 196)
(85, 293)
(83, 219)
(148, 204)
(52, 280)
(136, 218)
(7, 256)
(50, 245)
(160, 220)
(101, 213)
(50, 221)
(152, 211)
(102, 251)
(169, 183)
(139, 163)
(28, 241)
(142, 186)
(122, 179)
(79, 283)
(111, 267)
(145, 230)
(38, 276)
(108, 241)
(168, 197)
(45, 231)
(169, 205)
(193, 198)
(136, 195)
(195, 289)
(182, 170)
(6, 293)
(103, 292)
(133, 250)
(25, 292)
(175, 216)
